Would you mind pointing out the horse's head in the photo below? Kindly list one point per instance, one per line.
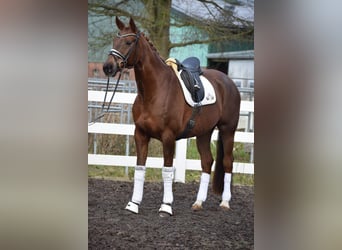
(123, 54)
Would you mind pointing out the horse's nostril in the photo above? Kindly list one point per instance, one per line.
(107, 68)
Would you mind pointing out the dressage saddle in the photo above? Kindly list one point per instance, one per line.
(190, 74)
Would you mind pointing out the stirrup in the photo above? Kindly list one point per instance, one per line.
(165, 209)
(132, 207)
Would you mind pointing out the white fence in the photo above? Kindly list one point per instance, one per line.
(180, 161)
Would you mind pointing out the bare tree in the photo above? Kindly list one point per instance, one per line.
(214, 21)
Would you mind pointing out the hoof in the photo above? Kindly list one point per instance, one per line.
(165, 210)
(132, 207)
(225, 205)
(197, 206)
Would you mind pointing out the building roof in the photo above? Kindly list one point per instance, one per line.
(246, 54)
(244, 9)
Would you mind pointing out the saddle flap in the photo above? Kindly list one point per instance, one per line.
(191, 71)
(193, 84)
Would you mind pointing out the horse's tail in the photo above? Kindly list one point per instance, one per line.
(218, 180)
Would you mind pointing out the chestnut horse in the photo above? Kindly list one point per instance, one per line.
(160, 112)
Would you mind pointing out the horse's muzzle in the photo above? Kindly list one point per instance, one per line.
(110, 69)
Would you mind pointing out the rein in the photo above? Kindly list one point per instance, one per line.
(116, 53)
(104, 100)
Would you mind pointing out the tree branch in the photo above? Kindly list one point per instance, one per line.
(205, 41)
(221, 27)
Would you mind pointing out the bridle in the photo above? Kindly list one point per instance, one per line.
(115, 53)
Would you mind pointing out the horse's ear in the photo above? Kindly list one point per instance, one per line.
(132, 25)
(119, 23)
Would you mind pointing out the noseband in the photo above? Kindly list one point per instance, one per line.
(116, 53)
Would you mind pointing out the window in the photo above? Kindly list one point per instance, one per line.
(95, 72)
(237, 83)
(251, 84)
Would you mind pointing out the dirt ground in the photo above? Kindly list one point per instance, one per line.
(110, 226)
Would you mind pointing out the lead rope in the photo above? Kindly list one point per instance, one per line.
(104, 100)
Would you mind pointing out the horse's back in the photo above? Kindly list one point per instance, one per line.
(222, 83)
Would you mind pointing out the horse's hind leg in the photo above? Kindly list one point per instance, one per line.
(203, 146)
(227, 136)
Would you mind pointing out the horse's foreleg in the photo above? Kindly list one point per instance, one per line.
(203, 146)
(167, 174)
(141, 142)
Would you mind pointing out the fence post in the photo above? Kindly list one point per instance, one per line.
(180, 160)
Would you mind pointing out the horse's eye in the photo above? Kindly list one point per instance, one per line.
(128, 43)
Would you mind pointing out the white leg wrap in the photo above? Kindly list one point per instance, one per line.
(167, 173)
(226, 195)
(203, 188)
(134, 208)
(139, 179)
(165, 209)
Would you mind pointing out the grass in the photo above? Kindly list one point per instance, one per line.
(154, 175)
(239, 151)
(119, 173)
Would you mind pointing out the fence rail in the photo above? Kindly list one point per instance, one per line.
(180, 161)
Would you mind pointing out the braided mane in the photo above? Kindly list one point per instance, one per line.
(152, 46)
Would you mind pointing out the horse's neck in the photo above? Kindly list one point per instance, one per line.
(147, 72)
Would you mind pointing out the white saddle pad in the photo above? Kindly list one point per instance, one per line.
(209, 92)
